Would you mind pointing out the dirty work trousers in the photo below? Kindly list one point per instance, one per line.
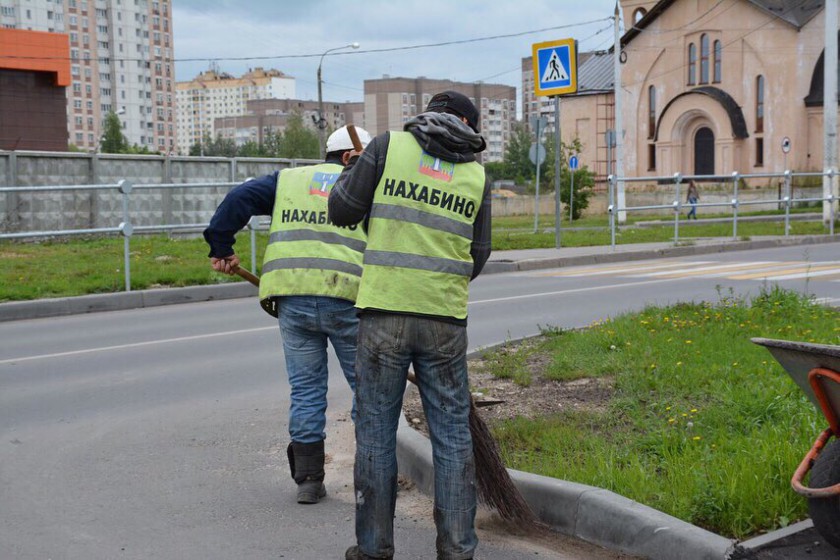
(388, 345)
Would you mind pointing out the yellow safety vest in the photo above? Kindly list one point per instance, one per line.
(306, 253)
(420, 231)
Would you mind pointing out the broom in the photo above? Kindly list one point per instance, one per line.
(496, 490)
(495, 487)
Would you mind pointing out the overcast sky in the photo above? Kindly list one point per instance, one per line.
(239, 35)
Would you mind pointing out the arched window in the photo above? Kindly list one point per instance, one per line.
(651, 111)
(759, 104)
(638, 14)
(692, 63)
(718, 53)
(704, 59)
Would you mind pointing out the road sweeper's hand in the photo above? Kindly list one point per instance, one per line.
(228, 265)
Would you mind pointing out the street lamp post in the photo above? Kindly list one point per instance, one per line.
(322, 122)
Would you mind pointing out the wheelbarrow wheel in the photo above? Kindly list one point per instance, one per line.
(825, 512)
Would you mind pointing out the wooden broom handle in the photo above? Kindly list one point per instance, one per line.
(354, 137)
(247, 275)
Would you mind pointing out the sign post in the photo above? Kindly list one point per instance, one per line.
(573, 165)
(555, 74)
(789, 193)
(537, 156)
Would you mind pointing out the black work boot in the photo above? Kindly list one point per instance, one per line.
(307, 464)
(353, 553)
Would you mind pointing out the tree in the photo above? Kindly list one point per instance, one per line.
(494, 170)
(113, 140)
(518, 166)
(137, 149)
(250, 149)
(299, 141)
(272, 144)
(584, 178)
(224, 147)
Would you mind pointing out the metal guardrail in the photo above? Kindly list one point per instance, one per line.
(126, 229)
(677, 205)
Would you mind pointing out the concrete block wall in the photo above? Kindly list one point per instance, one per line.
(148, 206)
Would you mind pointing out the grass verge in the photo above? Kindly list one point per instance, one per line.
(79, 266)
(701, 423)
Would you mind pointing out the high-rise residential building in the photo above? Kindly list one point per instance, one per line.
(391, 102)
(217, 95)
(120, 61)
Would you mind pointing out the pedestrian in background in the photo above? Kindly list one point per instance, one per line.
(428, 204)
(692, 197)
(310, 279)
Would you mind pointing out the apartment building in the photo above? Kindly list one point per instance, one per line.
(391, 102)
(213, 96)
(265, 116)
(120, 61)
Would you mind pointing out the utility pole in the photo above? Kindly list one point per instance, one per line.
(830, 109)
(322, 120)
(619, 126)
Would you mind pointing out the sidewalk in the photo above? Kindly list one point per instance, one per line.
(591, 514)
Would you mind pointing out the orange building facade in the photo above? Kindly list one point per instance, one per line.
(34, 75)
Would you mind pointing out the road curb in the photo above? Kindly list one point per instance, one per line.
(524, 265)
(54, 307)
(592, 514)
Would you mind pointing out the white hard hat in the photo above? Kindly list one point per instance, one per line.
(340, 139)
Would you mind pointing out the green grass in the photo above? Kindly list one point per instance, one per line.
(516, 232)
(89, 266)
(80, 266)
(702, 424)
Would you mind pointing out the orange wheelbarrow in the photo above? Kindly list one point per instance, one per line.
(816, 369)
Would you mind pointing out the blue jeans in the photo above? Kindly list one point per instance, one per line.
(388, 344)
(693, 211)
(306, 324)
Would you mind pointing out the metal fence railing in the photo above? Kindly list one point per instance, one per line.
(784, 200)
(126, 228)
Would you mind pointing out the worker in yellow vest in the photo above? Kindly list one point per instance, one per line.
(310, 279)
(428, 207)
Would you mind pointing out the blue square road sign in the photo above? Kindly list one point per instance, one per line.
(555, 67)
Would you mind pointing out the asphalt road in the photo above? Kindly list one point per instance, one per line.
(161, 432)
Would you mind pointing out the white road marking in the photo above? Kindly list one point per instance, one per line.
(132, 345)
(575, 291)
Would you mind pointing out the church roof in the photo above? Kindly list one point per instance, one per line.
(794, 12)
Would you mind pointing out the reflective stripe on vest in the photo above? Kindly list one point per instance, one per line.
(421, 224)
(306, 254)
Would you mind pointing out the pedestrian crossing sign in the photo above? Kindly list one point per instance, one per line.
(555, 67)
